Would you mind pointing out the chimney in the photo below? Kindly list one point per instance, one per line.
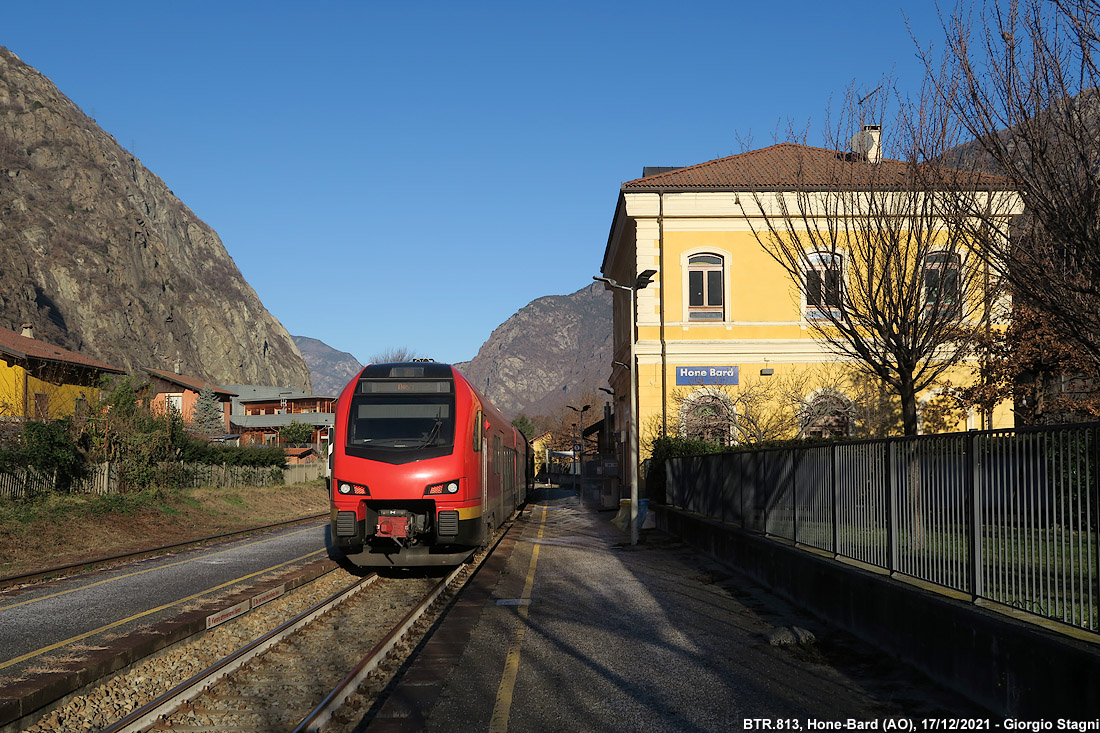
(874, 153)
(867, 143)
(28, 330)
(178, 365)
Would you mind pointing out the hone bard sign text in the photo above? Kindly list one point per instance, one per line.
(690, 375)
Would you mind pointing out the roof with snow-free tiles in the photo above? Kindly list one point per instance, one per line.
(788, 166)
(192, 383)
(21, 347)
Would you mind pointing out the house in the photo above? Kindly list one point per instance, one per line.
(181, 392)
(541, 446)
(716, 316)
(39, 381)
(300, 455)
(258, 412)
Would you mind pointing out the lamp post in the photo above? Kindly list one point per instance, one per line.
(640, 283)
(580, 417)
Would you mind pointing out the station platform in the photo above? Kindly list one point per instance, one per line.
(568, 627)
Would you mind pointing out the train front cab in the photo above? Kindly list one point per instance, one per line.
(422, 470)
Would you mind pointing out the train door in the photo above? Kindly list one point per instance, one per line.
(498, 477)
(485, 485)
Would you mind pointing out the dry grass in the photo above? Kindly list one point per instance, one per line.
(59, 530)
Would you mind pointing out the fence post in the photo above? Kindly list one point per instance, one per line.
(833, 473)
(891, 507)
(741, 484)
(974, 490)
(794, 495)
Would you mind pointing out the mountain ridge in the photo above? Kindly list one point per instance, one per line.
(550, 352)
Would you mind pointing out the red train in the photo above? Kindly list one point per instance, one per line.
(424, 468)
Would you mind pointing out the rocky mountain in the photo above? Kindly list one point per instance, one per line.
(329, 369)
(101, 257)
(554, 350)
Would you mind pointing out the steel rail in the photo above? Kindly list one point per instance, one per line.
(87, 564)
(147, 716)
(319, 717)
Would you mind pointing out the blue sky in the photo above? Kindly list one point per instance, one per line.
(412, 174)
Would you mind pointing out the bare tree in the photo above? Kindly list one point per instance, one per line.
(883, 281)
(831, 400)
(1021, 78)
(394, 354)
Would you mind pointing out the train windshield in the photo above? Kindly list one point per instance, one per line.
(401, 421)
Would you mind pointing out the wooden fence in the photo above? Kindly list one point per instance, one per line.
(104, 478)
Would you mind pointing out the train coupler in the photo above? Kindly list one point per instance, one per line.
(392, 527)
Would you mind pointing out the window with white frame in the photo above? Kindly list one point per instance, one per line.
(941, 283)
(824, 284)
(706, 291)
(174, 401)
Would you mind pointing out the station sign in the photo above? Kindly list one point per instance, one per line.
(702, 375)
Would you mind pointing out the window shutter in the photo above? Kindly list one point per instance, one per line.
(695, 288)
(714, 287)
(813, 288)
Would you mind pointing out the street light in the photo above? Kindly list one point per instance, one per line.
(643, 280)
(580, 415)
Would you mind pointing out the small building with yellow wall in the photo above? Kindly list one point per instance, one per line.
(40, 381)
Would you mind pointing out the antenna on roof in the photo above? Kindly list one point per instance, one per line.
(868, 96)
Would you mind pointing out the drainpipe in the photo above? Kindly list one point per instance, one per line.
(661, 310)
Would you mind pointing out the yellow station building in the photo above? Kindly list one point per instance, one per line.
(720, 315)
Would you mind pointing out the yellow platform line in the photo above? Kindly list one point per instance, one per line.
(503, 707)
(146, 570)
(108, 627)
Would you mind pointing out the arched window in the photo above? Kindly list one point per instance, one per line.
(827, 414)
(709, 415)
(824, 284)
(706, 291)
(941, 283)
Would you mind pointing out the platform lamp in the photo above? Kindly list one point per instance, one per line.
(580, 417)
(642, 281)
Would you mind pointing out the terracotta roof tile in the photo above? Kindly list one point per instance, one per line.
(192, 383)
(21, 347)
(784, 167)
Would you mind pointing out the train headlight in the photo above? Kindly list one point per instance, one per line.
(447, 487)
(346, 489)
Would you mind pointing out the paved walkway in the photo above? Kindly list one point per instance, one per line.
(569, 628)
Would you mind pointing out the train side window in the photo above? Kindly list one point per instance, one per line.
(477, 432)
(497, 454)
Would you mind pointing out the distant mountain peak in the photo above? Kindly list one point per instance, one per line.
(551, 351)
(330, 370)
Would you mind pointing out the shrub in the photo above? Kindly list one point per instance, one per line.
(49, 447)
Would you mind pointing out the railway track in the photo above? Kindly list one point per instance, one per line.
(339, 649)
(297, 676)
(77, 567)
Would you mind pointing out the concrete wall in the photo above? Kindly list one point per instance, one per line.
(1013, 668)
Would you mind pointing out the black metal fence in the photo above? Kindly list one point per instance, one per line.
(1004, 515)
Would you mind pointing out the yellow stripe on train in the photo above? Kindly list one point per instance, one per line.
(469, 512)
